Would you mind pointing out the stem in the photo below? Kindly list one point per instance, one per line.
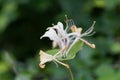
(71, 74)
(67, 67)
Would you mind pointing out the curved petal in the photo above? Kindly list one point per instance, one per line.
(60, 29)
(60, 25)
(51, 34)
(44, 57)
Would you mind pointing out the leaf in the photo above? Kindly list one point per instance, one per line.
(73, 51)
(71, 54)
(52, 51)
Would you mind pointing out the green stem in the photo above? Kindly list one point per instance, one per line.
(71, 74)
(67, 66)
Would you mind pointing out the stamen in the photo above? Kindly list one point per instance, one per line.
(89, 44)
(91, 28)
(93, 24)
(87, 34)
(66, 17)
(73, 28)
(69, 22)
(91, 34)
(89, 31)
(72, 22)
(66, 25)
(79, 30)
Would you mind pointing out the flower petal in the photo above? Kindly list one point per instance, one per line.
(44, 57)
(60, 29)
(54, 44)
(51, 34)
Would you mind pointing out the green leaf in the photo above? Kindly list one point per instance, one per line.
(71, 54)
(52, 51)
(73, 51)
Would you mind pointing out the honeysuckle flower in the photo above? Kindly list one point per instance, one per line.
(62, 34)
(64, 40)
(77, 32)
(77, 35)
(58, 35)
(44, 57)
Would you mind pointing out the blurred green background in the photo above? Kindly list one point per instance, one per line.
(22, 22)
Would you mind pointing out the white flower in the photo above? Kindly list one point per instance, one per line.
(64, 40)
(44, 58)
(58, 35)
(76, 33)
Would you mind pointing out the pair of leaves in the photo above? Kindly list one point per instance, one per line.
(71, 54)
